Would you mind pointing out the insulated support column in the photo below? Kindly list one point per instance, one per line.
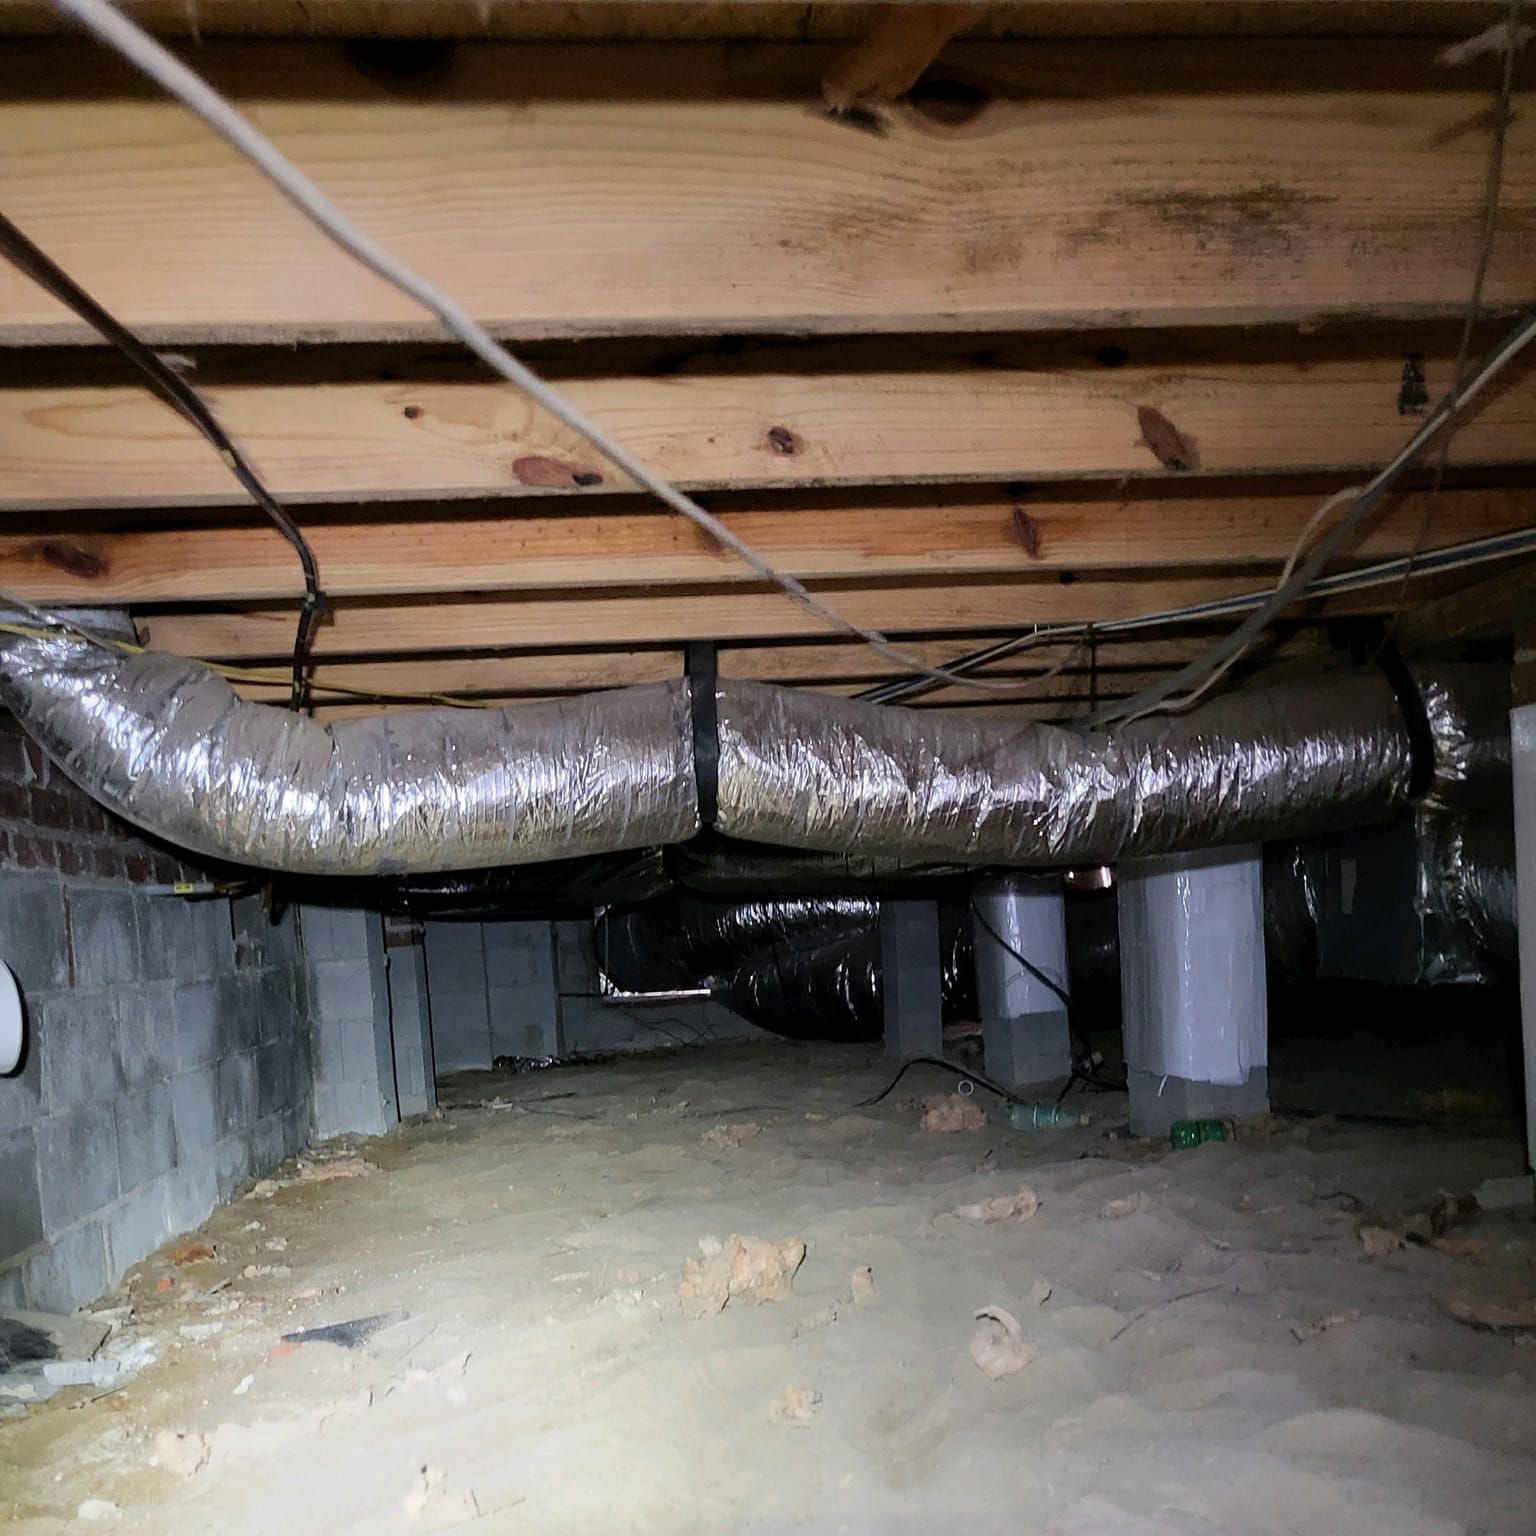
(912, 978)
(1024, 1030)
(1523, 747)
(1192, 987)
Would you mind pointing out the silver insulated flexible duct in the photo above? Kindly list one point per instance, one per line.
(166, 744)
(838, 774)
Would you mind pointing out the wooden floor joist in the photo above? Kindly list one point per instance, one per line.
(513, 551)
(600, 190)
(788, 20)
(609, 618)
(78, 448)
(849, 666)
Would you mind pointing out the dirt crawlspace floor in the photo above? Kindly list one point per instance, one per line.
(1210, 1347)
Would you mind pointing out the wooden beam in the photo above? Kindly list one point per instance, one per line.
(601, 190)
(74, 448)
(789, 20)
(619, 619)
(853, 666)
(991, 535)
(1490, 605)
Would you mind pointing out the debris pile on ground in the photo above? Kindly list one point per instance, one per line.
(749, 1269)
(952, 1112)
(999, 1347)
(1019, 1207)
(187, 1452)
(795, 1405)
(725, 1138)
(430, 1501)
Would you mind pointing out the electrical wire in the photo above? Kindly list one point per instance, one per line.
(1454, 557)
(1082, 1054)
(1284, 594)
(1493, 188)
(109, 26)
(165, 382)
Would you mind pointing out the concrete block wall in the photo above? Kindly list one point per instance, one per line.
(516, 988)
(168, 1042)
(410, 1017)
(354, 1070)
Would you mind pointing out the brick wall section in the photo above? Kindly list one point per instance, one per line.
(168, 1042)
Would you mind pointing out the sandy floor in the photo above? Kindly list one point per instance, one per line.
(1169, 1393)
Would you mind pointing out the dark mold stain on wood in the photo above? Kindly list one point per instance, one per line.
(858, 117)
(948, 98)
(554, 474)
(1169, 446)
(1256, 223)
(76, 559)
(411, 412)
(782, 440)
(1027, 531)
(1413, 392)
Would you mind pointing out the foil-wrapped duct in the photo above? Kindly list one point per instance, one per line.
(1468, 711)
(837, 775)
(808, 969)
(167, 745)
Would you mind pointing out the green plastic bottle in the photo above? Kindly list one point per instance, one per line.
(1043, 1117)
(1191, 1133)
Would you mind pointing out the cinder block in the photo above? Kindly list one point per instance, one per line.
(73, 1271)
(212, 943)
(283, 946)
(106, 943)
(323, 1114)
(237, 1093)
(233, 1164)
(191, 1192)
(911, 978)
(359, 1051)
(296, 1123)
(266, 1140)
(146, 1134)
(146, 1032)
(315, 928)
(135, 1226)
(239, 1013)
(168, 938)
(356, 934)
(196, 1010)
(344, 989)
(274, 1004)
(77, 1164)
(329, 1063)
(195, 1109)
(250, 926)
(32, 932)
(78, 1041)
(21, 1096)
(21, 1209)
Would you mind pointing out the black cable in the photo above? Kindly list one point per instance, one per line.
(1083, 1051)
(949, 1066)
(182, 398)
(1033, 969)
